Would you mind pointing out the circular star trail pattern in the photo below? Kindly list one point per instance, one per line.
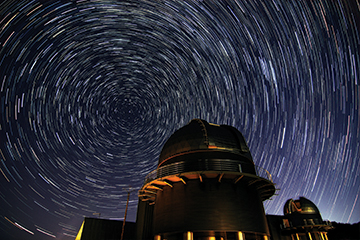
(91, 90)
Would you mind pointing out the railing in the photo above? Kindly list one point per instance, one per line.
(262, 172)
(288, 224)
(225, 165)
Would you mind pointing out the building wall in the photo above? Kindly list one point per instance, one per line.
(209, 205)
(95, 229)
(144, 221)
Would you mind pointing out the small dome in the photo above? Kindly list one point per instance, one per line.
(302, 206)
(207, 140)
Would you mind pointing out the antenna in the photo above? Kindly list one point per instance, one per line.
(128, 190)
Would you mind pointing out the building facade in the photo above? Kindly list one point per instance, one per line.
(206, 186)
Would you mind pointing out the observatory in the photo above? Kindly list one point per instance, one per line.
(206, 186)
(301, 220)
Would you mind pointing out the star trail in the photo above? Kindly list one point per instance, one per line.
(92, 89)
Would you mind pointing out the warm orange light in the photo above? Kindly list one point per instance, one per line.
(212, 146)
(240, 236)
(183, 180)
(325, 234)
(309, 235)
(168, 183)
(189, 236)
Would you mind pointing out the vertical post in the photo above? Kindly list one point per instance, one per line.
(127, 204)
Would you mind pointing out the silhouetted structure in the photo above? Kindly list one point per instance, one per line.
(96, 229)
(206, 186)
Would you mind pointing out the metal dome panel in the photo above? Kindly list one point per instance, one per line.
(199, 135)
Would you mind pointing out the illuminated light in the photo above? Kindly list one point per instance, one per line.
(325, 235)
(156, 187)
(266, 238)
(183, 180)
(212, 146)
(220, 177)
(309, 235)
(189, 235)
(216, 147)
(238, 179)
(168, 183)
(78, 237)
(157, 237)
(240, 236)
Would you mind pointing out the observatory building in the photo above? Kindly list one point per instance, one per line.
(301, 220)
(206, 186)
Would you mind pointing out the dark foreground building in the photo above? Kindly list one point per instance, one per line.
(206, 186)
(103, 229)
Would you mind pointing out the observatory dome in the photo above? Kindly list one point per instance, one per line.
(302, 205)
(200, 139)
(302, 212)
(207, 185)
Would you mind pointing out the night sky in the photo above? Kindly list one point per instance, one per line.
(91, 90)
